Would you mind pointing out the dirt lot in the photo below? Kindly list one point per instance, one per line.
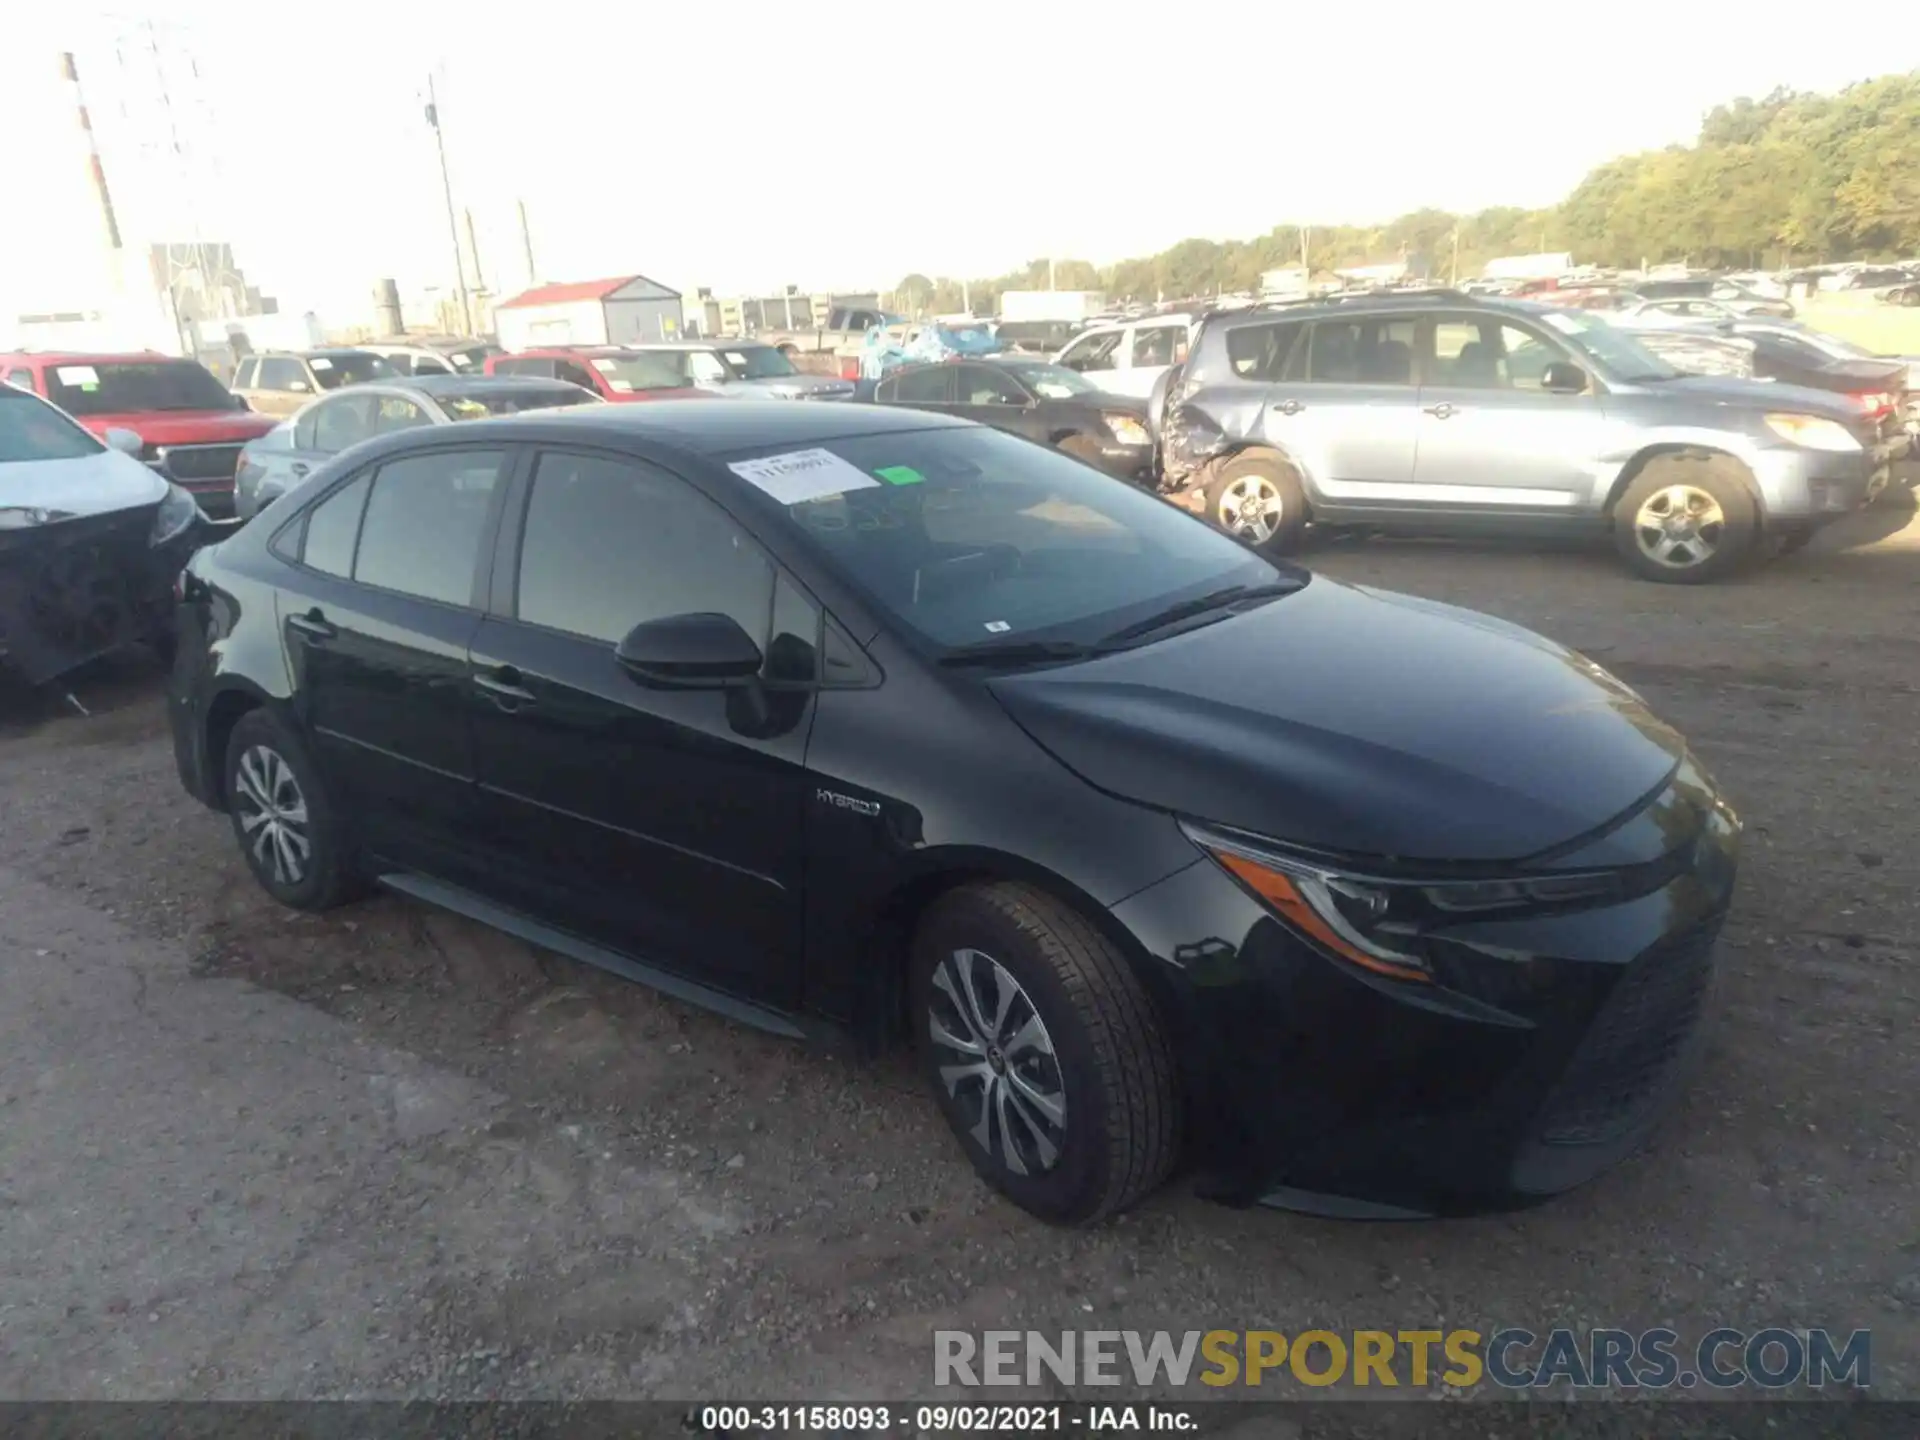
(389, 1152)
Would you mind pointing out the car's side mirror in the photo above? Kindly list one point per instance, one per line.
(125, 441)
(689, 652)
(1563, 378)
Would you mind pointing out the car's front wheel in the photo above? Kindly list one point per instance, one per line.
(1044, 1052)
(282, 817)
(1686, 520)
(1258, 498)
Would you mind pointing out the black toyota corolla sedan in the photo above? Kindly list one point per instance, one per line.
(845, 718)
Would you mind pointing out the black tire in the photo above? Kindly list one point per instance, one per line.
(1240, 478)
(1104, 1046)
(1720, 547)
(326, 877)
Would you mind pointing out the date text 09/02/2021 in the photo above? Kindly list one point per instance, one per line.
(942, 1419)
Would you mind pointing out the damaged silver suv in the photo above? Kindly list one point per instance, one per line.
(1437, 412)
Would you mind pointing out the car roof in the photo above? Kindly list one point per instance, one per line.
(327, 351)
(550, 351)
(442, 385)
(695, 427)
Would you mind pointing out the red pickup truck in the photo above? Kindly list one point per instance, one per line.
(191, 426)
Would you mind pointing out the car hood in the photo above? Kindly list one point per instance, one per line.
(90, 485)
(791, 386)
(1735, 392)
(1358, 721)
(185, 427)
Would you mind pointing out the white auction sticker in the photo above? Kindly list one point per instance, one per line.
(801, 475)
(79, 375)
(320, 362)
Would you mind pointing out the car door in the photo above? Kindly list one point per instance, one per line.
(1346, 407)
(923, 387)
(993, 397)
(665, 822)
(377, 625)
(1490, 435)
(319, 432)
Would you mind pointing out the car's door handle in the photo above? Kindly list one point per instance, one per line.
(313, 624)
(1441, 411)
(1289, 407)
(503, 683)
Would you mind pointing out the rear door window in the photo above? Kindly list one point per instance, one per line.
(1361, 351)
(425, 522)
(1260, 352)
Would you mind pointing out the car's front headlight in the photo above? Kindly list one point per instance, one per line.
(1813, 432)
(177, 513)
(1376, 922)
(1126, 429)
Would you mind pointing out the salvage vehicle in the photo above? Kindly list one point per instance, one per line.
(1127, 358)
(1440, 412)
(613, 372)
(434, 355)
(746, 370)
(191, 427)
(91, 540)
(279, 461)
(280, 382)
(1044, 402)
(845, 718)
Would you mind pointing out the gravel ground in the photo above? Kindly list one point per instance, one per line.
(387, 1152)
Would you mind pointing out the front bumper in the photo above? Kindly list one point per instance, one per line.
(1543, 1055)
(1129, 462)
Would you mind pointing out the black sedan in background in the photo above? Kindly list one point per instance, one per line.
(846, 718)
(1035, 398)
(285, 455)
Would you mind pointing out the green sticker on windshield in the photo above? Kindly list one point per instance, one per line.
(900, 475)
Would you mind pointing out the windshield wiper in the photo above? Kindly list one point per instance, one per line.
(1199, 605)
(1017, 652)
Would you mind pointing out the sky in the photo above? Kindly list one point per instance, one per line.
(748, 145)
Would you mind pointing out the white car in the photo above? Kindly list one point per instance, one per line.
(1679, 312)
(1126, 357)
(91, 541)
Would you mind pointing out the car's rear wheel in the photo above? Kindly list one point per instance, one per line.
(281, 815)
(1044, 1052)
(1686, 520)
(1259, 499)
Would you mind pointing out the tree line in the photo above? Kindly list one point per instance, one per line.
(1792, 178)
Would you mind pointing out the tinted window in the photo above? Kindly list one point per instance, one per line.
(338, 423)
(1487, 355)
(425, 521)
(1259, 352)
(243, 377)
(794, 647)
(574, 374)
(277, 373)
(120, 387)
(927, 386)
(31, 429)
(427, 366)
(610, 543)
(1361, 352)
(332, 527)
(992, 537)
(983, 385)
(516, 365)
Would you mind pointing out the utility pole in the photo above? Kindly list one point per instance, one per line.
(1050, 284)
(526, 244)
(1453, 275)
(966, 298)
(453, 224)
(473, 249)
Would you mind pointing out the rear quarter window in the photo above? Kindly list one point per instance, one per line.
(1261, 352)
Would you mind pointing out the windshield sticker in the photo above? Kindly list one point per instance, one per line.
(998, 627)
(801, 475)
(320, 362)
(735, 357)
(1565, 324)
(900, 475)
(80, 375)
(605, 367)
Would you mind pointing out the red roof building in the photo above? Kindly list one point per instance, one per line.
(624, 310)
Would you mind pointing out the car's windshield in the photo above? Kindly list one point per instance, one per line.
(756, 362)
(31, 430)
(478, 405)
(473, 359)
(131, 387)
(1053, 382)
(973, 536)
(642, 370)
(349, 368)
(1616, 351)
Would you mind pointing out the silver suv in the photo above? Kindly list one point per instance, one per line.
(1438, 411)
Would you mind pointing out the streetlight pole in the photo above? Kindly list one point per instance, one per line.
(453, 224)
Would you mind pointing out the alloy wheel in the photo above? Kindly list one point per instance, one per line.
(272, 813)
(998, 1062)
(1679, 527)
(1252, 508)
